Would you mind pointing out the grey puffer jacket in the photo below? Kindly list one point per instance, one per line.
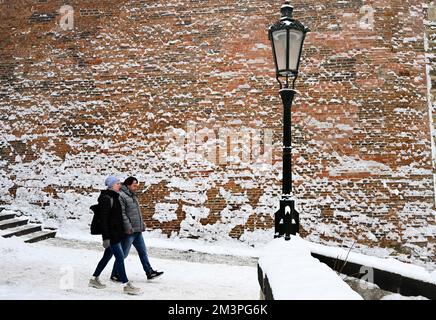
(132, 218)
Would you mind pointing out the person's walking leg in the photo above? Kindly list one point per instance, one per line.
(139, 245)
(103, 262)
(126, 243)
(119, 261)
(95, 281)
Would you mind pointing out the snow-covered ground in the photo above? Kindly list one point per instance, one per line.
(60, 269)
(45, 271)
(194, 269)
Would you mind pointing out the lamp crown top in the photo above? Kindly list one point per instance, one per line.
(286, 10)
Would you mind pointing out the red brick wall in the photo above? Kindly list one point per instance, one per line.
(79, 104)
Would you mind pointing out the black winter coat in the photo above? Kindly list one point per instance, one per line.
(111, 218)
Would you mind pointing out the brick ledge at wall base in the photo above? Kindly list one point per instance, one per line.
(385, 280)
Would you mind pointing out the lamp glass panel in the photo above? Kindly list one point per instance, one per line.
(279, 38)
(295, 44)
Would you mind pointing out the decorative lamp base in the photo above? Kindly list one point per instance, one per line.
(287, 220)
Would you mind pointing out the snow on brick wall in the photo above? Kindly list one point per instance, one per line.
(430, 48)
(167, 91)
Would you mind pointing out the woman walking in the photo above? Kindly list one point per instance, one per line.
(112, 233)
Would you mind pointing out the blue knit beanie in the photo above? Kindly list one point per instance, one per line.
(110, 181)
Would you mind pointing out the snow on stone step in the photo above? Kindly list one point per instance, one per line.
(20, 230)
(12, 223)
(293, 274)
(39, 236)
(6, 216)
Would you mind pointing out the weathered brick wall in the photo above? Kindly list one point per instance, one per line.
(102, 97)
(430, 47)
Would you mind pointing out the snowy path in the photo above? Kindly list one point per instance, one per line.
(184, 253)
(44, 271)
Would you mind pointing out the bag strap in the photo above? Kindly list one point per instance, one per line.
(111, 200)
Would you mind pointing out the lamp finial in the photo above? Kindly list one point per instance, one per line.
(287, 10)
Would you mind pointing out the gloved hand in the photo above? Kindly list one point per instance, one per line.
(106, 243)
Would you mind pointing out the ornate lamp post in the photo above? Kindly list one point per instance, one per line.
(287, 36)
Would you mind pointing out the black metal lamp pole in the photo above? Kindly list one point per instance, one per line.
(287, 37)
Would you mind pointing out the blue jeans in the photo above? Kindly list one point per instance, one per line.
(117, 251)
(138, 242)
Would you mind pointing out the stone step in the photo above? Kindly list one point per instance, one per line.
(12, 223)
(39, 236)
(7, 216)
(21, 231)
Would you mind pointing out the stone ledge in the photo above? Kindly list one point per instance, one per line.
(384, 284)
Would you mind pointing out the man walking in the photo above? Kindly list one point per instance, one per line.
(133, 227)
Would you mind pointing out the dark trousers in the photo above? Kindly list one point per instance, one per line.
(117, 251)
(138, 242)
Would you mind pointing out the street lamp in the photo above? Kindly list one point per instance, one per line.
(287, 36)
